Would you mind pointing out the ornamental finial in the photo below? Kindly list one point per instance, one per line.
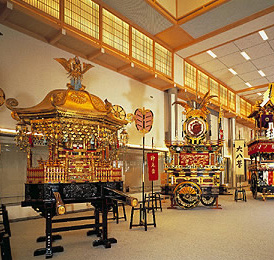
(75, 71)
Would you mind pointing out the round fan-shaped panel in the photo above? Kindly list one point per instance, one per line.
(118, 112)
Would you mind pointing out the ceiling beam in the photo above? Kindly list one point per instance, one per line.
(57, 37)
(162, 10)
(252, 88)
(70, 50)
(95, 54)
(5, 12)
(199, 10)
(125, 67)
(149, 78)
(168, 87)
(225, 29)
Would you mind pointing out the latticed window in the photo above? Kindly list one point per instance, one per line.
(115, 32)
(82, 15)
(223, 96)
(232, 100)
(163, 60)
(142, 47)
(50, 7)
(243, 107)
(214, 88)
(202, 83)
(190, 75)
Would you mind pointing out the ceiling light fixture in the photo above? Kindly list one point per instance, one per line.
(261, 73)
(211, 53)
(245, 55)
(248, 84)
(263, 35)
(259, 93)
(233, 71)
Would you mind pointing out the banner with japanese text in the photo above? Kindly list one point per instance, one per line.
(239, 157)
(152, 160)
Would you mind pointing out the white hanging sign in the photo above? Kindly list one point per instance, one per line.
(239, 157)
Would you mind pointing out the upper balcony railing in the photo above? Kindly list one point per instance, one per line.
(101, 25)
(201, 83)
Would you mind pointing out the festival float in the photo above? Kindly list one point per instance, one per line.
(261, 148)
(82, 135)
(194, 165)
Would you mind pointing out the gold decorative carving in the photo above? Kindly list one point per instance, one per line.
(98, 103)
(58, 98)
(11, 103)
(78, 97)
(2, 97)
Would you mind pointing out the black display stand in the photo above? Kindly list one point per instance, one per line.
(5, 234)
(240, 193)
(49, 250)
(154, 200)
(99, 194)
(115, 210)
(143, 218)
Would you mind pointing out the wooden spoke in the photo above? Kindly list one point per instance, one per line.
(187, 195)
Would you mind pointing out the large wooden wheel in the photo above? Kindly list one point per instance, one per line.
(187, 195)
(118, 112)
(208, 200)
(253, 185)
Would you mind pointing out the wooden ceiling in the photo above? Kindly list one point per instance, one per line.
(226, 27)
(190, 28)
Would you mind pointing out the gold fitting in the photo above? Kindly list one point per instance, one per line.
(61, 210)
(134, 202)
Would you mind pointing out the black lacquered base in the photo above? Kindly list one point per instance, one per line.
(94, 232)
(105, 242)
(100, 195)
(143, 221)
(48, 253)
(54, 238)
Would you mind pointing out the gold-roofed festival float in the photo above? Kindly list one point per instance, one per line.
(194, 165)
(261, 147)
(83, 135)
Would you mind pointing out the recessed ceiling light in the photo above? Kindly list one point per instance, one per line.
(233, 71)
(259, 94)
(261, 73)
(211, 53)
(263, 35)
(248, 84)
(245, 55)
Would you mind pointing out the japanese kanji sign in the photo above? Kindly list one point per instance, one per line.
(152, 159)
(239, 157)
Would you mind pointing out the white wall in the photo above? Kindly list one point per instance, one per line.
(214, 127)
(28, 72)
(225, 127)
(178, 70)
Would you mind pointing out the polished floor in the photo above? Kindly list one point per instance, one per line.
(239, 231)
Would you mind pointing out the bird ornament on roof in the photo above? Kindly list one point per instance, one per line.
(75, 71)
